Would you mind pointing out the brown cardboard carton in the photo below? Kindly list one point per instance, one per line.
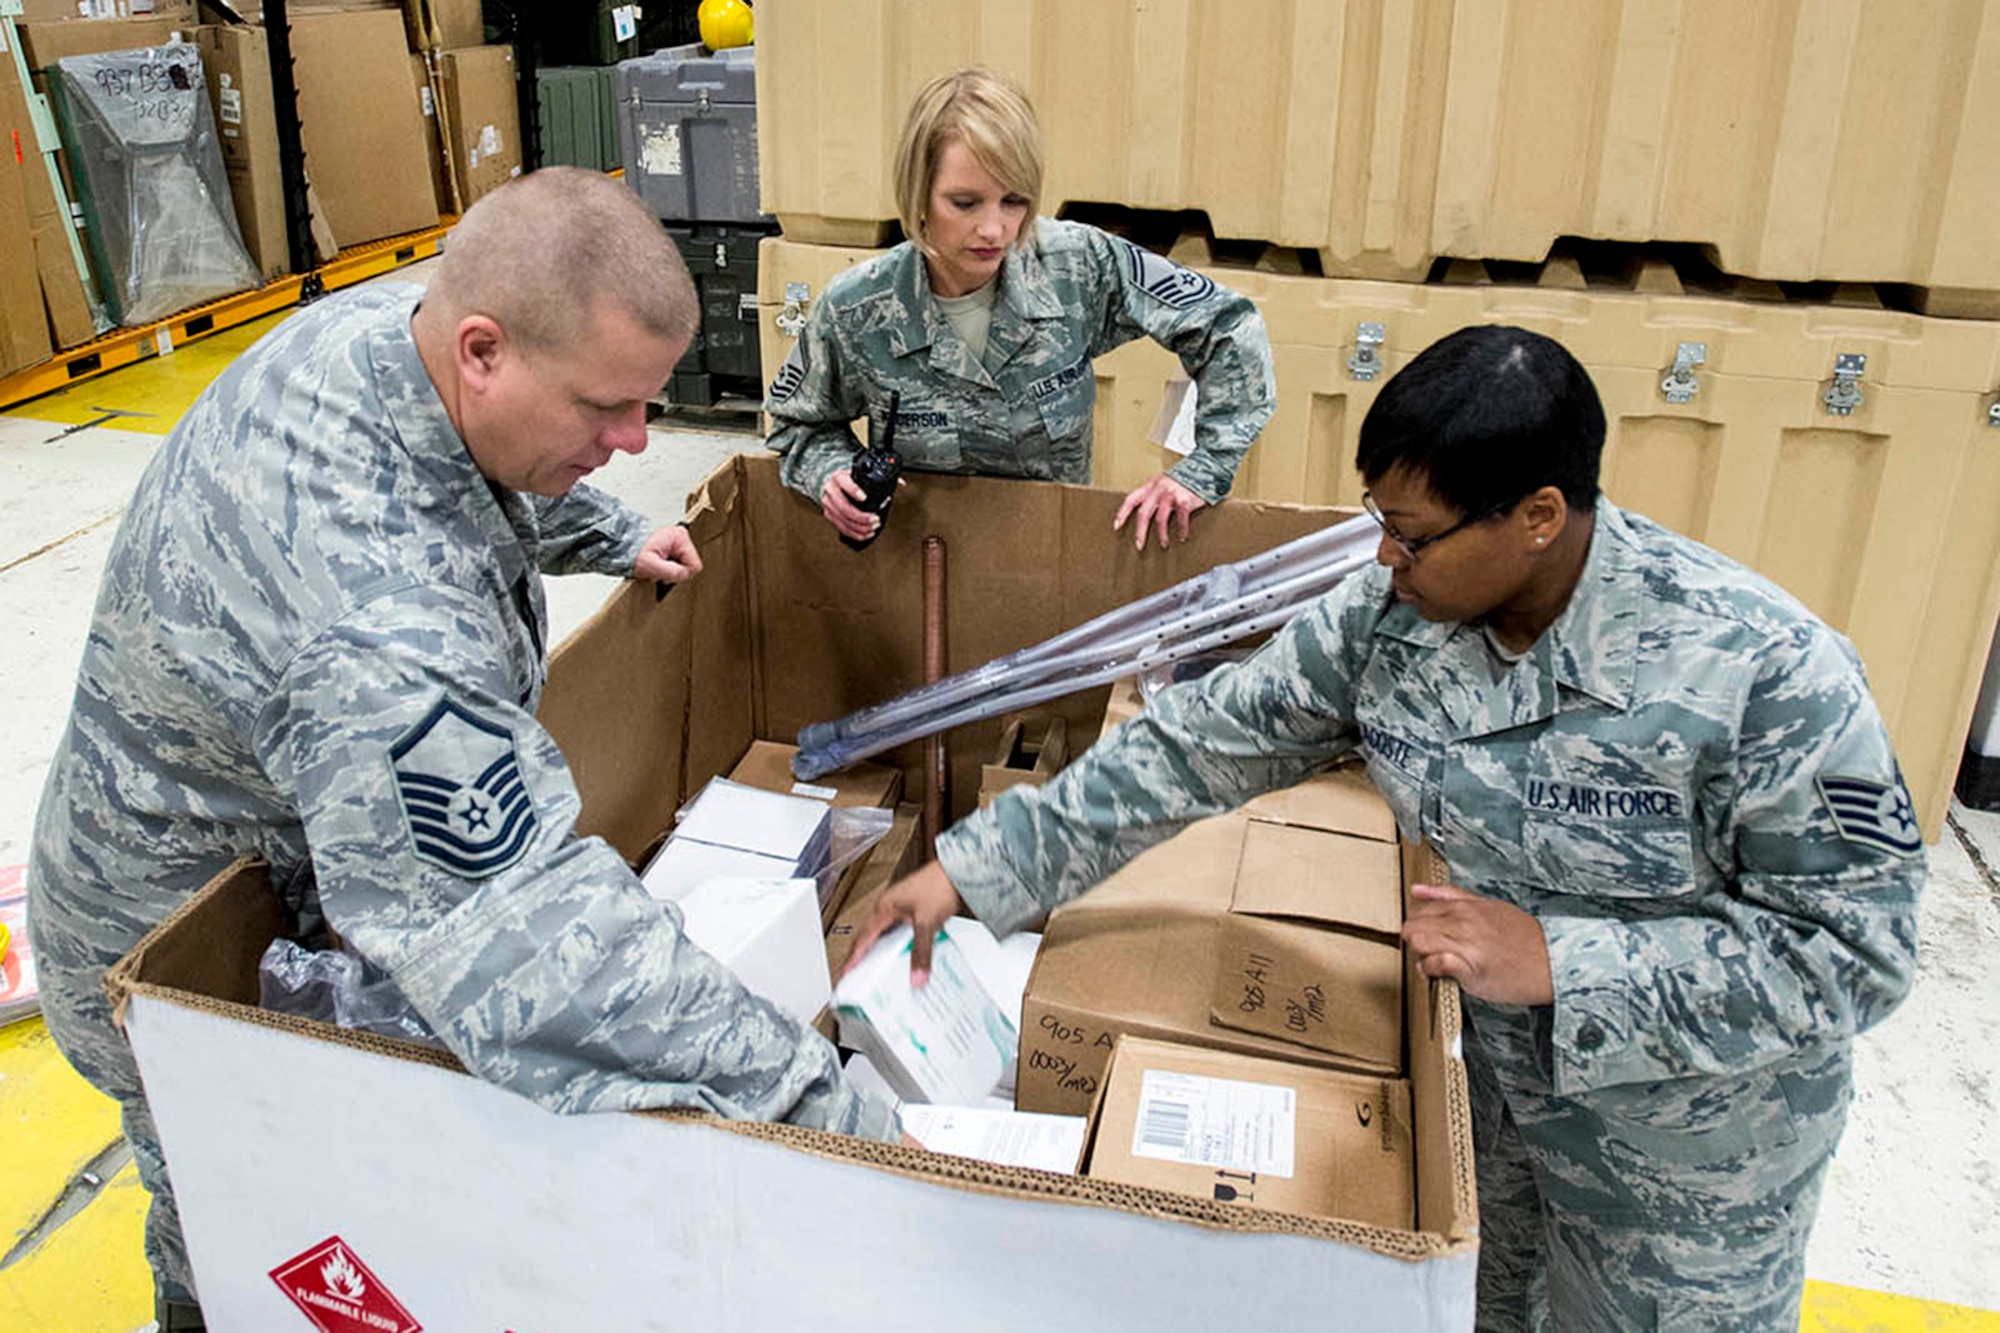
(482, 119)
(1255, 1133)
(768, 764)
(1033, 748)
(236, 61)
(427, 102)
(1145, 954)
(43, 44)
(63, 300)
(1136, 957)
(899, 853)
(24, 330)
(453, 24)
(361, 124)
(1308, 949)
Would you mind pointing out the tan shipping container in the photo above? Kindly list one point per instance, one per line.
(1885, 519)
(1813, 139)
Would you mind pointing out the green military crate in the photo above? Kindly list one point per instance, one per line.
(596, 32)
(724, 357)
(577, 112)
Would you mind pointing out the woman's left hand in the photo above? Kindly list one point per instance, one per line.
(1493, 949)
(1158, 502)
(668, 557)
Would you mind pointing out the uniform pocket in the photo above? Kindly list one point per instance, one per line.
(1585, 858)
(927, 434)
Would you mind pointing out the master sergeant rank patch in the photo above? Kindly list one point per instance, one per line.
(459, 780)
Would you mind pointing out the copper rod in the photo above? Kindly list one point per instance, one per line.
(937, 764)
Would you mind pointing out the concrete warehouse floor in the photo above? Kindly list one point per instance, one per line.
(1908, 1237)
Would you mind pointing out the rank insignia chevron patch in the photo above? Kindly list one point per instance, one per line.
(459, 781)
(1165, 280)
(1875, 813)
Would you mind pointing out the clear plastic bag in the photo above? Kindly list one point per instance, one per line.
(142, 145)
(338, 987)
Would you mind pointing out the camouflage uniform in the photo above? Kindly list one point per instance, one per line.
(320, 639)
(1685, 780)
(1072, 295)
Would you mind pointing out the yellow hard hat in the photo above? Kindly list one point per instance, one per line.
(724, 23)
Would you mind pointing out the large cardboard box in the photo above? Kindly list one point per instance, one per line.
(43, 44)
(427, 102)
(63, 298)
(476, 1209)
(236, 61)
(1255, 1133)
(482, 119)
(24, 330)
(361, 124)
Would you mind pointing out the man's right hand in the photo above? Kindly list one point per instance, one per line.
(838, 500)
(926, 900)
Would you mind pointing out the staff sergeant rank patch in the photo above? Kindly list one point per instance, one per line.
(459, 781)
(1165, 280)
(1874, 813)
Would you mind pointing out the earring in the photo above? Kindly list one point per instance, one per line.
(1540, 540)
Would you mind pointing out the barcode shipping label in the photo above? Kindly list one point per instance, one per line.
(1219, 1122)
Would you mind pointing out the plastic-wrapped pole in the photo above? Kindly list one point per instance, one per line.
(1228, 603)
(937, 764)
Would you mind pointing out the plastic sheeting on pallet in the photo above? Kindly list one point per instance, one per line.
(1816, 139)
(142, 145)
(1884, 518)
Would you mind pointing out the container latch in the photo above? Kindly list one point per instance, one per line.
(746, 306)
(1366, 363)
(791, 320)
(701, 102)
(1680, 385)
(1845, 394)
(1993, 413)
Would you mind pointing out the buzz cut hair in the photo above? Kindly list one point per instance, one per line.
(992, 118)
(542, 254)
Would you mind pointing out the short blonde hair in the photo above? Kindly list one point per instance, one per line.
(542, 252)
(990, 116)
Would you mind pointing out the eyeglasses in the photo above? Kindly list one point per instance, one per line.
(1411, 547)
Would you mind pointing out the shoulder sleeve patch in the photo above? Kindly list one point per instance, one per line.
(1163, 279)
(458, 778)
(791, 374)
(1877, 814)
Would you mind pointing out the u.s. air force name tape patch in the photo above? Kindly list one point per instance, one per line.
(1165, 280)
(459, 781)
(1878, 814)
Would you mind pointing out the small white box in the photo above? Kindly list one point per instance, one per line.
(728, 814)
(767, 933)
(684, 865)
(1004, 1138)
(948, 1042)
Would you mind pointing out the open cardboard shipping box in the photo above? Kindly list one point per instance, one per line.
(299, 1150)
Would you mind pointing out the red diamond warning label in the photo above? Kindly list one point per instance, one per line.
(337, 1292)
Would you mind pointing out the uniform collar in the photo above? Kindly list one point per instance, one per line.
(1025, 295)
(418, 416)
(1591, 649)
(1593, 646)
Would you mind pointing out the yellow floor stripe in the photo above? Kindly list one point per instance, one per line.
(163, 387)
(51, 1123)
(91, 1276)
(1830, 1308)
